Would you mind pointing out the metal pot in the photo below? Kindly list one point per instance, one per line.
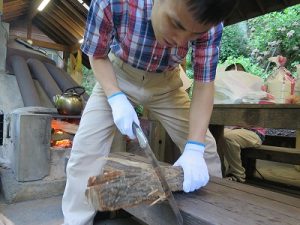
(70, 102)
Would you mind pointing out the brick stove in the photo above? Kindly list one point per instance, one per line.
(37, 168)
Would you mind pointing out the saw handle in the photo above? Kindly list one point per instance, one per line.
(138, 132)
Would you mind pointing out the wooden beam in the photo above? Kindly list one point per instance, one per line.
(57, 29)
(79, 7)
(49, 45)
(63, 17)
(47, 28)
(33, 8)
(29, 29)
(32, 11)
(72, 11)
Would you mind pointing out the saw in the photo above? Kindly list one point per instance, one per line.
(143, 142)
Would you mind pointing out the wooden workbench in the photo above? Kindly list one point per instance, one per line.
(222, 202)
(227, 203)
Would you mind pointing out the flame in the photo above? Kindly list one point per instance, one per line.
(65, 143)
(58, 129)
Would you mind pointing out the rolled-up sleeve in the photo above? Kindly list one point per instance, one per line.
(99, 29)
(205, 54)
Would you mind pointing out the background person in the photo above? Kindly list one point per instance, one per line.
(237, 138)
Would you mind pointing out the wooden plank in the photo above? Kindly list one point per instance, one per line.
(210, 206)
(298, 138)
(74, 15)
(216, 204)
(50, 32)
(53, 30)
(269, 195)
(272, 206)
(58, 25)
(245, 115)
(275, 154)
(65, 20)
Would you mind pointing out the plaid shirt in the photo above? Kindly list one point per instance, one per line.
(124, 27)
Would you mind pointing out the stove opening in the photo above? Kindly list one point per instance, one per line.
(63, 132)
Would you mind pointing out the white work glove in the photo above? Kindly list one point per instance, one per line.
(194, 167)
(123, 113)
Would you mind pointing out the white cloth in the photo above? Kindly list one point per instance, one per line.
(238, 87)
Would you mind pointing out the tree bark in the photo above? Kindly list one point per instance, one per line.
(127, 182)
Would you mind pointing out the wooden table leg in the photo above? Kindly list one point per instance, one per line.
(297, 146)
(218, 133)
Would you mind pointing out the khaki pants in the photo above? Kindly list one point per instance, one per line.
(161, 94)
(235, 140)
(5, 221)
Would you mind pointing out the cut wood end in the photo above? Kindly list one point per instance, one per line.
(107, 176)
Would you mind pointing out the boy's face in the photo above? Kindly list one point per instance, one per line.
(173, 24)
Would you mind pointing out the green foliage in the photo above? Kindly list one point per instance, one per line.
(88, 80)
(247, 63)
(251, 43)
(234, 41)
(277, 32)
(189, 66)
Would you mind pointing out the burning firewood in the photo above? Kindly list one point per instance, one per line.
(128, 182)
(64, 126)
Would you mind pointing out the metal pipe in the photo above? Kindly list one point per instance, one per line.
(40, 72)
(63, 79)
(26, 85)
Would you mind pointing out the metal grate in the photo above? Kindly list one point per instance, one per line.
(1, 128)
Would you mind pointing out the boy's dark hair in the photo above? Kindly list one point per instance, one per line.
(235, 66)
(211, 11)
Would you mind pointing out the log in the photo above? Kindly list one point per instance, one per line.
(127, 182)
(64, 126)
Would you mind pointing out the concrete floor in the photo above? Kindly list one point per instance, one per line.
(278, 172)
(47, 212)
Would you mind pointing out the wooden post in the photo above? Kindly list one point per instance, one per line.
(32, 11)
(1, 7)
(297, 167)
(66, 56)
(29, 29)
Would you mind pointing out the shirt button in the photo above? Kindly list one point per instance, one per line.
(155, 57)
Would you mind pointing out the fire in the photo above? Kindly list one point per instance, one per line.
(62, 134)
(65, 143)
